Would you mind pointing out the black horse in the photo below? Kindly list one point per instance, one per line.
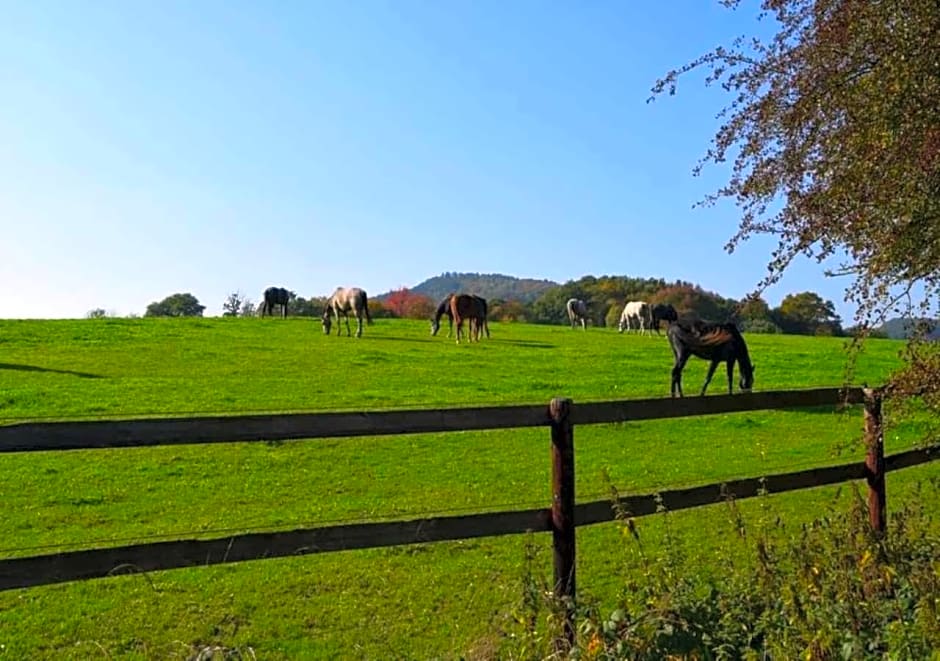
(275, 296)
(715, 342)
(663, 312)
(443, 308)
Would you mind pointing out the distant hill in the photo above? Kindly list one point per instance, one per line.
(487, 285)
(901, 329)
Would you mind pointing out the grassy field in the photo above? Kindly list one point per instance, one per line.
(434, 601)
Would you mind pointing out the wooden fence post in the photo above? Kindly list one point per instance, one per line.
(875, 461)
(563, 524)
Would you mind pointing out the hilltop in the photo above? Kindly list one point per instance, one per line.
(901, 329)
(489, 285)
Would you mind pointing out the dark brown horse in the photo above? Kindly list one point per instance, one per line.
(472, 308)
(715, 342)
(662, 312)
(275, 296)
(444, 309)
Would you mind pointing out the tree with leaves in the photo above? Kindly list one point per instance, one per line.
(807, 313)
(176, 305)
(233, 304)
(833, 135)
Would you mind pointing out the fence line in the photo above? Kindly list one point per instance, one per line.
(561, 518)
(96, 563)
(98, 434)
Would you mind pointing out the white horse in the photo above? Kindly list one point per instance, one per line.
(636, 314)
(577, 312)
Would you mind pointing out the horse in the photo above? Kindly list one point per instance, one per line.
(443, 308)
(473, 308)
(715, 342)
(343, 301)
(577, 312)
(663, 312)
(274, 296)
(635, 314)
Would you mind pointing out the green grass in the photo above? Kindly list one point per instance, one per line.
(439, 600)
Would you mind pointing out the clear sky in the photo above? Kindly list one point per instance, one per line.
(210, 147)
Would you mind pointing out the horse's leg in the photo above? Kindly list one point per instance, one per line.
(708, 377)
(358, 325)
(459, 323)
(730, 365)
(681, 360)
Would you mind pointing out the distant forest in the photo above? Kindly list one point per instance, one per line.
(543, 301)
(529, 300)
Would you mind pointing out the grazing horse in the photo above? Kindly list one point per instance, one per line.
(473, 308)
(636, 314)
(274, 296)
(577, 312)
(663, 312)
(444, 309)
(342, 302)
(715, 342)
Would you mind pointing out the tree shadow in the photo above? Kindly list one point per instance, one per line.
(34, 368)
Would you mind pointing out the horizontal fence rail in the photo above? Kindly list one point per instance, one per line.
(97, 434)
(97, 563)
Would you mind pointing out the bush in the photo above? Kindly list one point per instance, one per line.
(833, 591)
(760, 326)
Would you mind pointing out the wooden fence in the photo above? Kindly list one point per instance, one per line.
(561, 518)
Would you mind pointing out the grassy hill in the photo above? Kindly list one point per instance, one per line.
(443, 600)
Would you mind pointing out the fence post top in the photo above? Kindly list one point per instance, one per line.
(559, 408)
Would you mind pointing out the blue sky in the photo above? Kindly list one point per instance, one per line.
(212, 147)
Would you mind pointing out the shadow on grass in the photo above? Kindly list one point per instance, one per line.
(403, 338)
(33, 368)
(527, 343)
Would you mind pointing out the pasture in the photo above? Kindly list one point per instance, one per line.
(442, 600)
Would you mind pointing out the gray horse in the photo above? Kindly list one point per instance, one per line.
(577, 312)
(343, 301)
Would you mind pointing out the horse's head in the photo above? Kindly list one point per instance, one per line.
(747, 377)
(327, 321)
(435, 326)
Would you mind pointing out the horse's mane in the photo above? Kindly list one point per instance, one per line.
(717, 335)
(696, 332)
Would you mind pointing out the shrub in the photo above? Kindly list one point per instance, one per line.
(832, 591)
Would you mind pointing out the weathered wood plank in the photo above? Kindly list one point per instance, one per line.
(910, 458)
(27, 437)
(660, 408)
(39, 436)
(711, 494)
(97, 563)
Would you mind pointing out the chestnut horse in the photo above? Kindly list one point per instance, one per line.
(444, 309)
(472, 308)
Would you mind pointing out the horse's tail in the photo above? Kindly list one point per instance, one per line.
(365, 305)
